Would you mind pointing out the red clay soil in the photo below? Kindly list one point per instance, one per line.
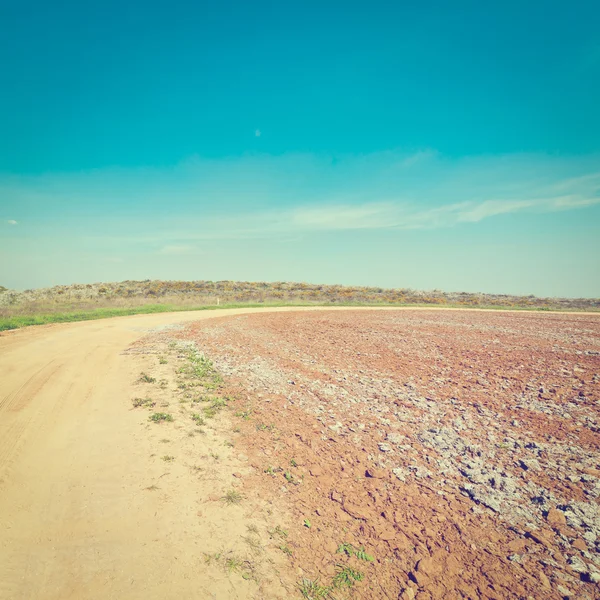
(460, 449)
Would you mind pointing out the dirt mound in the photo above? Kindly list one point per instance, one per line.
(423, 454)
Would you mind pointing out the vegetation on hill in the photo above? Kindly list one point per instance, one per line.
(98, 300)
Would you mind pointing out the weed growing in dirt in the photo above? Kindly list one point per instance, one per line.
(253, 543)
(162, 360)
(350, 550)
(158, 417)
(244, 414)
(361, 554)
(285, 549)
(152, 488)
(199, 420)
(216, 404)
(311, 589)
(273, 470)
(232, 497)
(145, 402)
(228, 443)
(347, 549)
(293, 463)
(346, 577)
(277, 532)
(307, 524)
(146, 378)
(202, 368)
(291, 479)
(164, 441)
(233, 564)
(168, 458)
(252, 529)
(210, 557)
(214, 455)
(264, 427)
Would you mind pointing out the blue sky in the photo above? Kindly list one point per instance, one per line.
(451, 145)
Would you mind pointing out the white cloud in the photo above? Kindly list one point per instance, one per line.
(262, 196)
(401, 215)
(365, 216)
(12, 222)
(474, 213)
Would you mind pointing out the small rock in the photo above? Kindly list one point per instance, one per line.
(407, 594)
(564, 592)
(375, 473)
(592, 472)
(544, 580)
(336, 496)
(400, 473)
(515, 558)
(529, 464)
(238, 475)
(577, 565)
(384, 447)
(556, 518)
(316, 471)
(429, 566)
(579, 544)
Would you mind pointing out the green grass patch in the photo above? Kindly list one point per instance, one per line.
(158, 417)
(17, 321)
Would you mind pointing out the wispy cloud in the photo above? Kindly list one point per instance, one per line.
(372, 216)
(12, 222)
(262, 196)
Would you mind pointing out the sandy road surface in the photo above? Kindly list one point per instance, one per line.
(73, 521)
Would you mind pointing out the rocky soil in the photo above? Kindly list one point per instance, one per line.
(460, 450)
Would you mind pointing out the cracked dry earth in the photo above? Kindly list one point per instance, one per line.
(459, 448)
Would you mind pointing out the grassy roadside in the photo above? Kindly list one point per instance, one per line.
(18, 321)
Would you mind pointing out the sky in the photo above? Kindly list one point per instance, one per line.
(449, 145)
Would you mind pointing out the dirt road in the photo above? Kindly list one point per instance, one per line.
(74, 519)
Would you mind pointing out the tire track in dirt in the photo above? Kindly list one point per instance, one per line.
(18, 415)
